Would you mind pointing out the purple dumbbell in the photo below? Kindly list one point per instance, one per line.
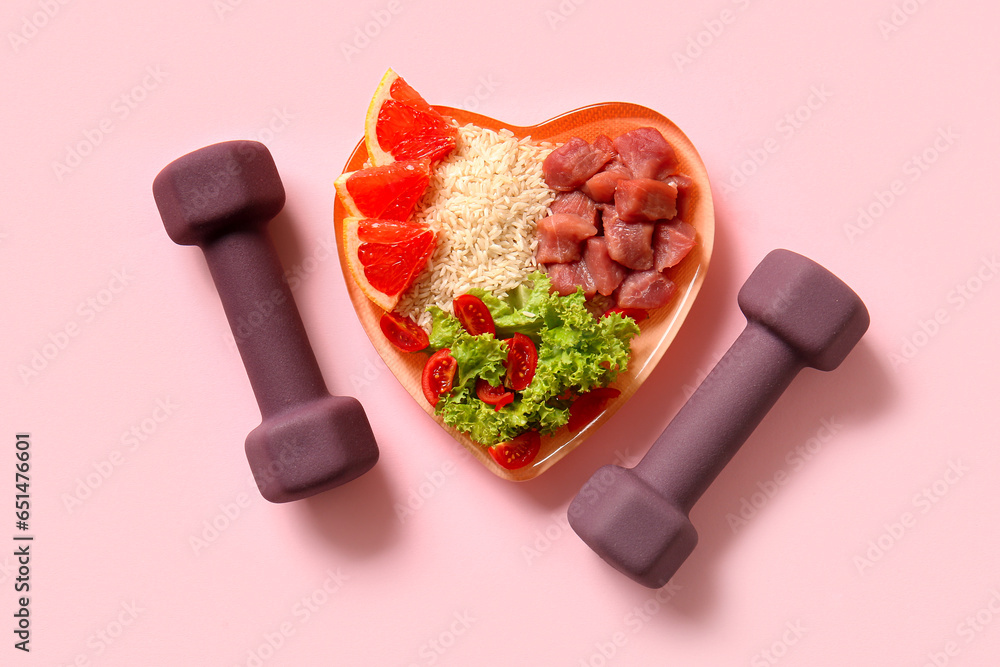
(798, 314)
(221, 198)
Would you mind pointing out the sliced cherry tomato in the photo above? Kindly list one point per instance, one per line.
(474, 315)
(589, 405)
(522, 359)
(403, 332)
(495, 396)
(439, 375)
(518, 452)
(637, 314)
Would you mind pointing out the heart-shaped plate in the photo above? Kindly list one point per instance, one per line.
(657, 331)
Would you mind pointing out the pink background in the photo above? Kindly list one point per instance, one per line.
(869, 494)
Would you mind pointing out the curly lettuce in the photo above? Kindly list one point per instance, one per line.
(576, 353)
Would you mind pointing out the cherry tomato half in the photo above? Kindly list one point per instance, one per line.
(589, 405)
(495, 396)
(403, 332)
(522, 359)
(637, 314)
(439, 375)
(518, 452)
(474, 315)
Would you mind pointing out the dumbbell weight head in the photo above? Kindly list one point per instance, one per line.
(633, 527)
(218, 189)
(311, 448)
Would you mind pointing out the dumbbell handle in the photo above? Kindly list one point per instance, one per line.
(734, 398)
(265, 322)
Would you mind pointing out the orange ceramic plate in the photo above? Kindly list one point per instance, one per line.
(612, 119)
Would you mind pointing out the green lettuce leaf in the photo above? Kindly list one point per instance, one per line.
(576, 353)
(445, 328)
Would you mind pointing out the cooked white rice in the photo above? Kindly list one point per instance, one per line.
(483, 202)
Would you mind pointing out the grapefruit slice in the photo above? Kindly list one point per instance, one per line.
(389, 192)
(400, 125)
(386, 256)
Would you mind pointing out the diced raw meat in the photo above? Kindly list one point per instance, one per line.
(569, 166)
(566, 278)
(645, 289)
(680, 181)
(683, 185)
(672, 241)
(617, 165)
(605, 143)
(601, 186)
(578, 203)
(646, 153)
(629, 243)
(606, 272)
(641, 199)
(559, 237)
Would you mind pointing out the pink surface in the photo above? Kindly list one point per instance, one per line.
(868, 495)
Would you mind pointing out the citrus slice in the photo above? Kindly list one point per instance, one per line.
(400, 125)
(388, 192)
(385, 256)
